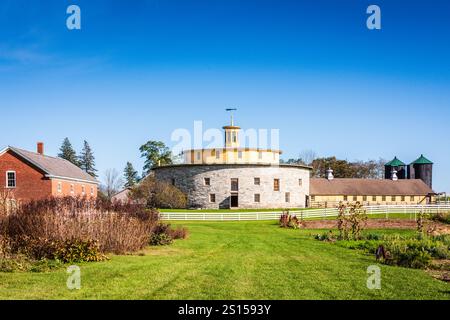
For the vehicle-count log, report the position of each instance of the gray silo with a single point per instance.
(396, 165)
(422, 169)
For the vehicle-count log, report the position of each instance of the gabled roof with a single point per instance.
(422, 160)
(395, 163)
(53, 167)
(369, 187)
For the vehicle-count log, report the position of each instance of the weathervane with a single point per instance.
(232, 114)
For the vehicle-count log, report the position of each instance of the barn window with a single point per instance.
(355, 198)
(403, 198)
(364, 198)
(276, 184)
(287, 197)
(345, 198)
(257, 197)
(234, 184)
(374, 198)
(213, 152)
(218, 154)
(199, 155)
(412, 198)
(393, 198)
(257, 181)
(207, 181)
(300, 182)
(383, 198)
(313, 198)
(212, 198)
(11, 179)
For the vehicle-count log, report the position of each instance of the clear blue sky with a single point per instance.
(140, 69)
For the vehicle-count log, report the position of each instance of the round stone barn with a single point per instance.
(235, 177)
(223, 186)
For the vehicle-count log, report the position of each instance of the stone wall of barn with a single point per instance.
(209, 186)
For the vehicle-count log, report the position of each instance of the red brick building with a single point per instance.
(32, 175)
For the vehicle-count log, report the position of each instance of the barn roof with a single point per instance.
(53, 167)
(369, 187)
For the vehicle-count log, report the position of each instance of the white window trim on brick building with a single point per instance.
(8, 179)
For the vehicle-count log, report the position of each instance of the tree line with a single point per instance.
(370, 169)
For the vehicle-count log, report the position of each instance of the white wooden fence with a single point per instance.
(383, 210)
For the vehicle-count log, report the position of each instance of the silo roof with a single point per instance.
(395, 163)
(422, 160)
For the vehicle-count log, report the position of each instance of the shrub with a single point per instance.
(160, 239)
(8, 203)
(14, 263)
(415, 252)
(158, 194)
(443, 217)
(78, 251)
(161, 235)
(421, 221)
(289, 221)
(369, 246)
(21, 263)
(407, 255)
(69, 250)
(114, 227)
(327, 236)
(39, 235)
(179, 233)
(351, 220)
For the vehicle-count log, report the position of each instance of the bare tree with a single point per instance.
(307, 156)
(380, 168)
(113, 182)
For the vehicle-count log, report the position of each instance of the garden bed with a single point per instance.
(377, 224)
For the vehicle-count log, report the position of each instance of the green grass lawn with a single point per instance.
(232, 260)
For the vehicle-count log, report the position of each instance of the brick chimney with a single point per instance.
(40, 148)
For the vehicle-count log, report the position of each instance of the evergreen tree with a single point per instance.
(68, 153)
(87, 160)
(131, 175)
